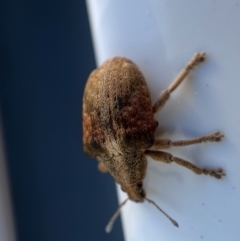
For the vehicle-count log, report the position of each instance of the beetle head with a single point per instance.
(135, 192)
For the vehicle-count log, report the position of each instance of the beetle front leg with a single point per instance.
(164, 96)
(101, 166)
(168, 158)
(166, 143)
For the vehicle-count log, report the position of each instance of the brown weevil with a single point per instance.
(119, 126)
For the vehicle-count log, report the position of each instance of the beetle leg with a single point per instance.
(168, 158)
(166, 143)
(101, 167)
(164, 96)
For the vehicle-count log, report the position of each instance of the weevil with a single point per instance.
(119, 126)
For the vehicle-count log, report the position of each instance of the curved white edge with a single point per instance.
(7, 229)
(160, 36)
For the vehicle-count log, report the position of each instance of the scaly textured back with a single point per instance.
(117, 112)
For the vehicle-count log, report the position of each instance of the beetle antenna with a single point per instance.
(109, 226)
(172, 220)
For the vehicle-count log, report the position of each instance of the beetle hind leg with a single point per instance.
(164, 96)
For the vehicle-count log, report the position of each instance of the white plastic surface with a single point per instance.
(161, 36)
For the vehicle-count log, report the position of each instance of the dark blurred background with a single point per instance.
(46, 56)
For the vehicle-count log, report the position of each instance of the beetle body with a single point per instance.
(118, 122)
(119, 127)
